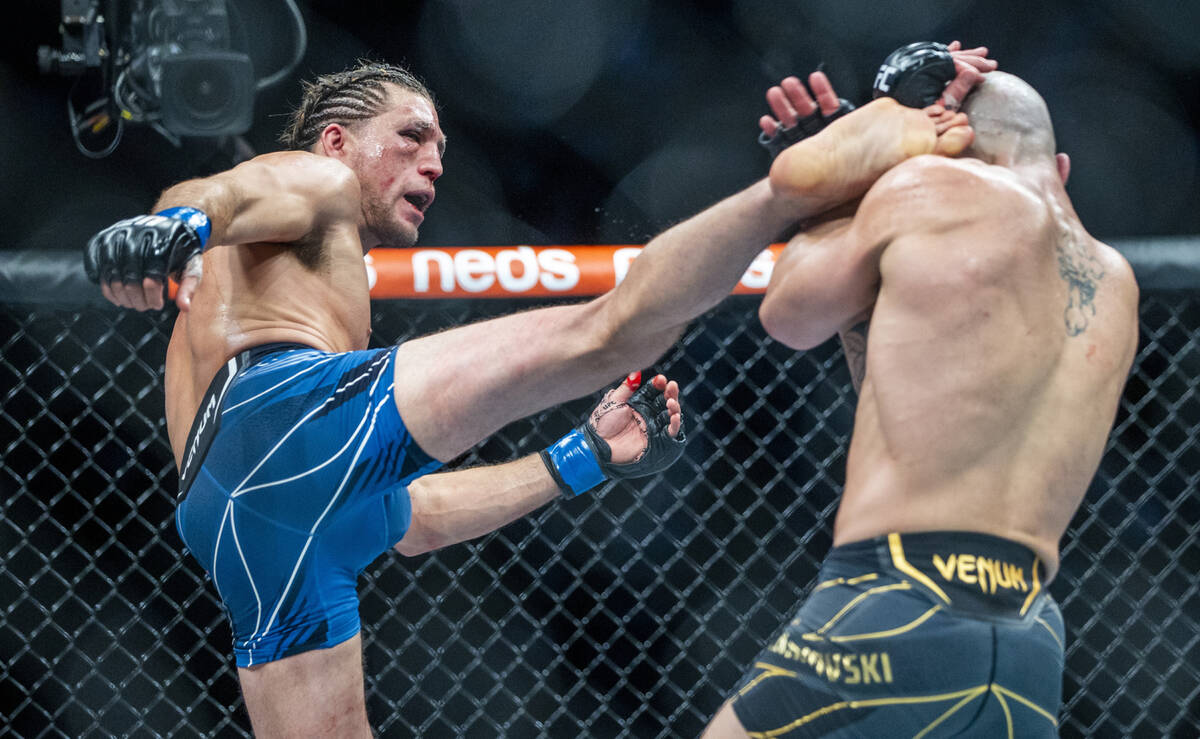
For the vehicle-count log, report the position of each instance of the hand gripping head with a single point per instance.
(915, 74)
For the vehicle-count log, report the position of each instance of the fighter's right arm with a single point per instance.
(282, 197)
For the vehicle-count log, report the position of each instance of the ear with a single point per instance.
(1064, 166)
(333, 141)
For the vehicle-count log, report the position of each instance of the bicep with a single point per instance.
(275, 198)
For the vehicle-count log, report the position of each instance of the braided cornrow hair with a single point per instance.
(343, 97)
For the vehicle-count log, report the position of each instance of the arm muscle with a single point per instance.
(280, 197)
(450, 507)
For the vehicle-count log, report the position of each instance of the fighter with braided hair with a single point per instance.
(353, 95)
(303, 454)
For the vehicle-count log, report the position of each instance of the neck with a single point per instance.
(368, 238)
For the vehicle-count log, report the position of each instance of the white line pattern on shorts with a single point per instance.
(217, 546)
(329, 506)
(326, 463)
(366, 373)
(278, 384)
(260, 631)
(245, 565)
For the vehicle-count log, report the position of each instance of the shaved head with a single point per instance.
(1010, 119)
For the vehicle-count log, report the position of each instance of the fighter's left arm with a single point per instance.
(631, 433)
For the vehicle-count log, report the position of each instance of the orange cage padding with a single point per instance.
(519, 271)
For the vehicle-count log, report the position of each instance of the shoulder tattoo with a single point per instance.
(1082, 272)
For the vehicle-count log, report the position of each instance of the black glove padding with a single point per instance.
(136, 248)
(661, 450)
(916, 74)
(809, 125)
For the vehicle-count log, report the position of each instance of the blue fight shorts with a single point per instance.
(293, 480)
(932, 635)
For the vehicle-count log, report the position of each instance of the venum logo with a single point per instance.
(209, 410)
(985, 572)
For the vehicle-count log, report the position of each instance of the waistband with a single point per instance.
(208, 416)
(967, 571)
(255, 354)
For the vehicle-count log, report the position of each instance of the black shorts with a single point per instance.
(931, 634)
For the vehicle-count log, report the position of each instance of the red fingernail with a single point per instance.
(633, 380)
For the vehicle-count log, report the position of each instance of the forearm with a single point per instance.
(211, 195)
(459, 505)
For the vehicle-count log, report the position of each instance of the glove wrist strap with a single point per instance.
(573, 464)
(193, 217)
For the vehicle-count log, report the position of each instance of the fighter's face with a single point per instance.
(397, 156)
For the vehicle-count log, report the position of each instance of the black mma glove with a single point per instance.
(146, 246)
(809, 125)
(581, 460)
(916, 74)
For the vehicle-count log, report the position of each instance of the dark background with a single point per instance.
(604, 121)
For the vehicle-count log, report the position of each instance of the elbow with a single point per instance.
(785, 323)
(419, 540)
(410, 547)
(420, 537)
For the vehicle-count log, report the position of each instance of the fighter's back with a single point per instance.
(998, 346)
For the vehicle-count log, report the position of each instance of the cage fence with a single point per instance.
(630, 613)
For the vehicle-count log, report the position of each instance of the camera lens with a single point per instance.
(206, 89)
(207, 93)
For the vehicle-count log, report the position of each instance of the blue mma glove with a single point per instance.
(582, 459)
(146, 246)
(916, 74)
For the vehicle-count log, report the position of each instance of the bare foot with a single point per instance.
(843, 161)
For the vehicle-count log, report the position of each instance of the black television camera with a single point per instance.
(168, 63)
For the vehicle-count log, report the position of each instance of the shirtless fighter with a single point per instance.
(303, 454)
(1000, 337)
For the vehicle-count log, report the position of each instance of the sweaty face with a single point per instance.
(397, 156)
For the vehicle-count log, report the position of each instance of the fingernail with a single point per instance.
(633, 379)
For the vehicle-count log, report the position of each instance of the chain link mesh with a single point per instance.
(632, 612)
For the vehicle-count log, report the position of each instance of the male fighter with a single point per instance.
(288, 432)
(1000, 336)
